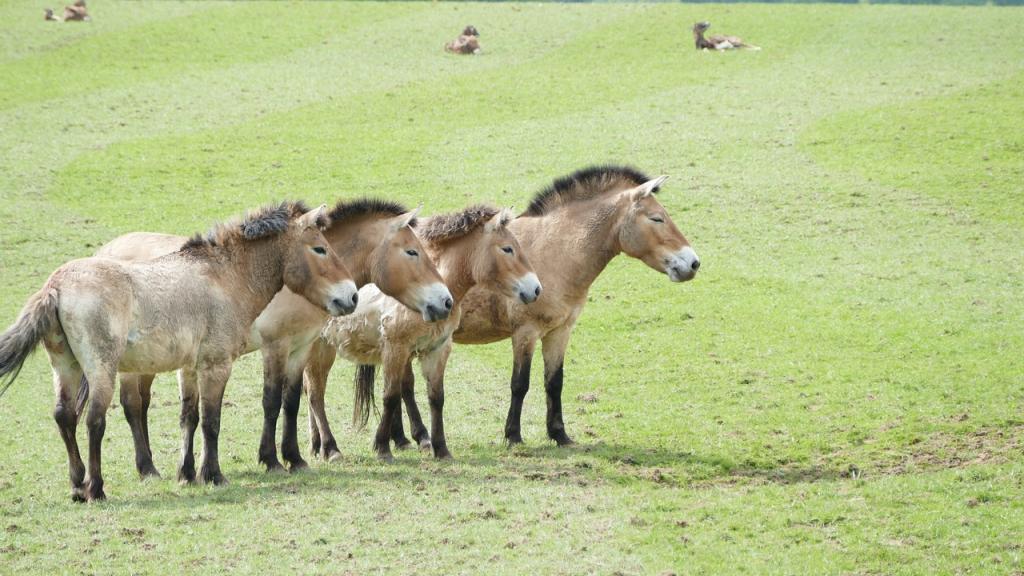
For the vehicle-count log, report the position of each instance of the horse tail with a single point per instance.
(363, 402)
(37, 319)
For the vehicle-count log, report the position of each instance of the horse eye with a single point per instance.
(506, 249)
(657, 219)
(412, 253)
(320, 250)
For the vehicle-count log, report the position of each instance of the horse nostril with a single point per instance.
(537, 292)
(695, 265)
(337, 303)
(448, 303)
(355, 299)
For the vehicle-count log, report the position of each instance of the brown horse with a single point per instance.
(471, 248)
(190, 310)
(467, 43)
(376, 241)
(717, 42)
(571, 230)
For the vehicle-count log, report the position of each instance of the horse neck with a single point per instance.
(256, 269)
(454, 261)
(579, 244)
(355, 242)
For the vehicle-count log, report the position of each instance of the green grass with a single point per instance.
(840, 391)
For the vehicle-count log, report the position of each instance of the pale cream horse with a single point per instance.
(471, 248)
(190, 310)
(571, 230)
(377, 244)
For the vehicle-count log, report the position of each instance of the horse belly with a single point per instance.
(160, 352)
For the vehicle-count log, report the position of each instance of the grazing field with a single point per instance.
(841, 389)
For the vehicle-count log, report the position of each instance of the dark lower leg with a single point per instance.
(146, 395)
(520, 386)
(556, 427)
(398, 430)
(97, 425)
(382, 440)
(440, 444)
(209, 472)
(132, 403)
(321, 438)
(416, 426)
(189, 422)
(67, 422)
(271, 408)
(289, 433)
(314, 433)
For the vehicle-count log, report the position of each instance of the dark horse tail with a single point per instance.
(363, 402)
(37, 319)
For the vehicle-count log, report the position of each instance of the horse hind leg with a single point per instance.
(321, 438)
(416, 426)
(67, 382)
(554, 345)
(189, 390)
(135, 397)
(101, 392)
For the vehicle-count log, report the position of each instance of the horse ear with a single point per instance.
(647, 188)
(500, 220)
(407, 219)
(317, 217)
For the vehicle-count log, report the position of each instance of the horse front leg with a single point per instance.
(292, 397)
(273, 387)
(188, 388)
(135, 396)
(554, 345)
(393, 363)
(212, 382)
(522, 356)
(321, 440)
(433, 365)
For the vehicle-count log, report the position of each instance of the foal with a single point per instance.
(717, 42)
(471, 248)
(190, 310)
(572, 230)
(377, 244)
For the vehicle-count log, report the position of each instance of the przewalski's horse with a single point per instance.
(571, 230)
(717, 42)
(190, 310)
(376, 241)
(471, 248)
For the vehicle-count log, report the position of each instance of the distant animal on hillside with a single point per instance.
(76, 12)
(467, 43)
(48, 15)
(717, 42)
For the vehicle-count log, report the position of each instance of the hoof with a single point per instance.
(333, 456)
(78, 494)
(215, 478)
(402, 443)
(186, 476)
(425, 445)
(298, 466)
(513, 439)
(442, 454)
(273, 466)
(561, 438)
(386, 457)
(148, 472)
(94, 492)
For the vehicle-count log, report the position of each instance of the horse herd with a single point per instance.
(366, 280)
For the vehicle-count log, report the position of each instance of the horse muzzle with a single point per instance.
(528, 288)
(437, 303)
(342, 299)
(682, 266)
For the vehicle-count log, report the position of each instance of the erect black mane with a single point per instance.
(267, 221)
(445, 227)
(346, 209)
(584, 184)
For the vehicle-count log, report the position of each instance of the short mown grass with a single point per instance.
(840, 390)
